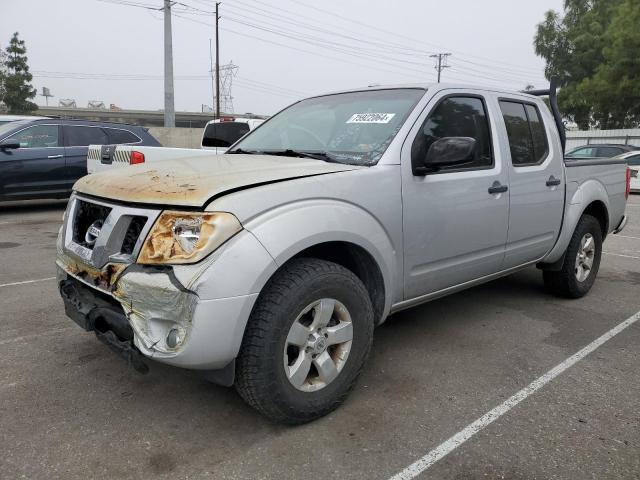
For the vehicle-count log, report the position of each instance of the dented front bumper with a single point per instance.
(153, 303)
(206, 305)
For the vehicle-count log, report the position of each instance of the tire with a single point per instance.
(567, 281)
(266, 358)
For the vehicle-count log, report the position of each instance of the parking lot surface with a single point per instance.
(71, 409)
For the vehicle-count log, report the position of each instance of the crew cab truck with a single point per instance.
(268, 267)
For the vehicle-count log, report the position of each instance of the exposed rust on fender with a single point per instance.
(161, 247)
(193, 181)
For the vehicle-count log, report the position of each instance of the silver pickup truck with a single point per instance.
(268, 267)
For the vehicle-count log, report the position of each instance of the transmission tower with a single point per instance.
(227, 72)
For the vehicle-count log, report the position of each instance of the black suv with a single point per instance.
(43, 158)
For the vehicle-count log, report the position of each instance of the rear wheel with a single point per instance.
(307, 340)
(581, 261)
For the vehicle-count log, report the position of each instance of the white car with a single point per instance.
(220, 134)
(13, 118)
(633, 162)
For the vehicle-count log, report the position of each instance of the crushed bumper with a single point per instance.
(96, 313)
(142, 307)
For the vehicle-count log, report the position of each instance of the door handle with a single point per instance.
(553, 181)
(497, 188)
(54, 156)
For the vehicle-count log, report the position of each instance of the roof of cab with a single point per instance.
(428, 86)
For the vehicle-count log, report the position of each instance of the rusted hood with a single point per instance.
(193, 181)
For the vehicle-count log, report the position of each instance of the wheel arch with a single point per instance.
(338, 232)
(589, 198)
(599, 210)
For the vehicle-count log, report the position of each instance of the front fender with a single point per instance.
(289, 229)
(579, 198)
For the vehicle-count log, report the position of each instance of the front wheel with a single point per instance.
(581, 261)
(307, 340)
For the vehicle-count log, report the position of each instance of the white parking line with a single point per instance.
(26, 281)
(625, 236)
(462, 436)
(621, 255)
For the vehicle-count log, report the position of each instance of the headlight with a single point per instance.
(187, 237)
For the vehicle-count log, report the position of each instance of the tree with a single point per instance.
(17, 87)
(3, 73)
(592, 50)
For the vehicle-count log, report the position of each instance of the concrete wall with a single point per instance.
(177, 137)
(577, 138)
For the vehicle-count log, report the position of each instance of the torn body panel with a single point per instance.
(155, 305)
(101, 278)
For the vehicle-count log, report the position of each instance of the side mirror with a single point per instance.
(9, 145)
(448, 151)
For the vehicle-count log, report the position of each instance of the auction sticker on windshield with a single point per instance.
(371, 118)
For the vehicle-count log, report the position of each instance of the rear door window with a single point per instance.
(538, 134)
(82, 136)
(527, 136)
(118, 136)
(37, 136)
(223, 134)
(609, 151)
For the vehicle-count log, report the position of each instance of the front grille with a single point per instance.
(86, 215)
(133, 234)
(100, 232)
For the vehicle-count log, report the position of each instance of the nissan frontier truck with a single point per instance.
(268, 267)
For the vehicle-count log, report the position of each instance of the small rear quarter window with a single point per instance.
(117, 136)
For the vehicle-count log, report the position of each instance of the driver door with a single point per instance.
(455, 219)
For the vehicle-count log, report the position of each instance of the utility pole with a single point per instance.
(169, 108)
(217, 65)
(213, 79)
(441, 63)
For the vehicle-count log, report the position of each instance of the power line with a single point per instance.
(358, 51)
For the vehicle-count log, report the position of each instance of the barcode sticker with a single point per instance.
(371, 118)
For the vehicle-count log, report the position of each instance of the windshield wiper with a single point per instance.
(324, 156)
(244, 152)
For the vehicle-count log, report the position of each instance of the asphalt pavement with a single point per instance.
(70, 409)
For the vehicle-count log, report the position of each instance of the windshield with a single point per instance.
(10, 126)
(354, 128)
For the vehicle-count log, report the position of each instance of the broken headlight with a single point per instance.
(187, 237)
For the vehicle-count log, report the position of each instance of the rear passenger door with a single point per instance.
(77, 139)
(536, 181)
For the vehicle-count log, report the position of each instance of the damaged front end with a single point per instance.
(138, 310)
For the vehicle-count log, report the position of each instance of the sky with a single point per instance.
(112, 51)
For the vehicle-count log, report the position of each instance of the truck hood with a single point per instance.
(193, 182)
